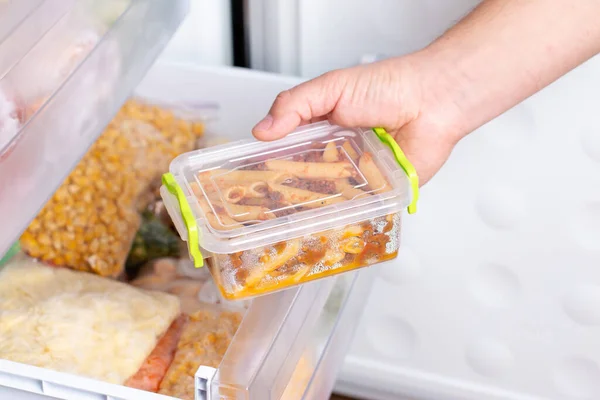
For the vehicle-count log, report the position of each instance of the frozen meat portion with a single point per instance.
(77, 322)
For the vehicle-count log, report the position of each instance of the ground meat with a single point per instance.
(319, 186)
(286, 211)
(261, 166)
(309, 156)
(348, 258)
(275, 197)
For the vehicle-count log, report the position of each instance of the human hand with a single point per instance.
(401, 95)
(493, 59)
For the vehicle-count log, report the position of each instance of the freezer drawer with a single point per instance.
(66, 66)
(290, 344)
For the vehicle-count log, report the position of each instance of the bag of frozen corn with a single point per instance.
(92, 219)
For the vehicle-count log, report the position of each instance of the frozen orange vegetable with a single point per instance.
(155, 366)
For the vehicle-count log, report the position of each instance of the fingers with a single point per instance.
(426, 152)
(308, 101)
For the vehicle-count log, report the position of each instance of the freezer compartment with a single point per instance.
(283, 338)
(65, 68)
(289, 345)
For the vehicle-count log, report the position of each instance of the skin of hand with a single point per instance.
(497, 56)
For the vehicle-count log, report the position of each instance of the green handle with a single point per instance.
(406, 165)
(188, 218)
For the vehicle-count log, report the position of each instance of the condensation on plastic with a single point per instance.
(74, 65)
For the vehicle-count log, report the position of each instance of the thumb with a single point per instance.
(309, 100)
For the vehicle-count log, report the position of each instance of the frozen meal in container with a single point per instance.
(270, 215)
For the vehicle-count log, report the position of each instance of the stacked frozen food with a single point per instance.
(104, 218)
(80, 323)
(203, 342)
(77, 322)
(153, 329)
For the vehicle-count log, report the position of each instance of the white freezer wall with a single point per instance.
(310, 37)
(496, 291)
(204, 37)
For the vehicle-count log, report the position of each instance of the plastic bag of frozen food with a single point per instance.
(153, 240)
(91, 221)
(204, 341)
(79, 319)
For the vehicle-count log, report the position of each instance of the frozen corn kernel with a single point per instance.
(90, 222)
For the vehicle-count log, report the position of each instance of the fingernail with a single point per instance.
(265, 124)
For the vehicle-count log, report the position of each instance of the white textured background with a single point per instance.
(496, 292)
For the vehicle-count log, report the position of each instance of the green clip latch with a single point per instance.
(188, 218)
(408, 168)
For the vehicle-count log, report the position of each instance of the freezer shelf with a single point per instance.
(289, 344)
(66, 66)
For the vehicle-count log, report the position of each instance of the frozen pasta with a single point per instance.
(297, 211)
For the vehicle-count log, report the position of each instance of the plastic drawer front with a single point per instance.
(290, 344)
(71, 109)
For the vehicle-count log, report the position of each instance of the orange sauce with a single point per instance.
(283, 284)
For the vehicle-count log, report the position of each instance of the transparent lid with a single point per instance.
(249, 194)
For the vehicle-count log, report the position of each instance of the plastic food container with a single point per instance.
(270, 215)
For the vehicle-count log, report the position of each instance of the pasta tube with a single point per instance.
(257, 189)
(375, 178)
(271, 263)
(352, 245)
(333, 256)
(343, 187)
(255, 201)
(221, 176)
(330, 154)
(352, 230)
(350, 151)
(234, 194)
(243, 213)
(223, 222)
(312, 170)
(306, 198)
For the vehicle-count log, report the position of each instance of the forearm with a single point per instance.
(505, 51)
